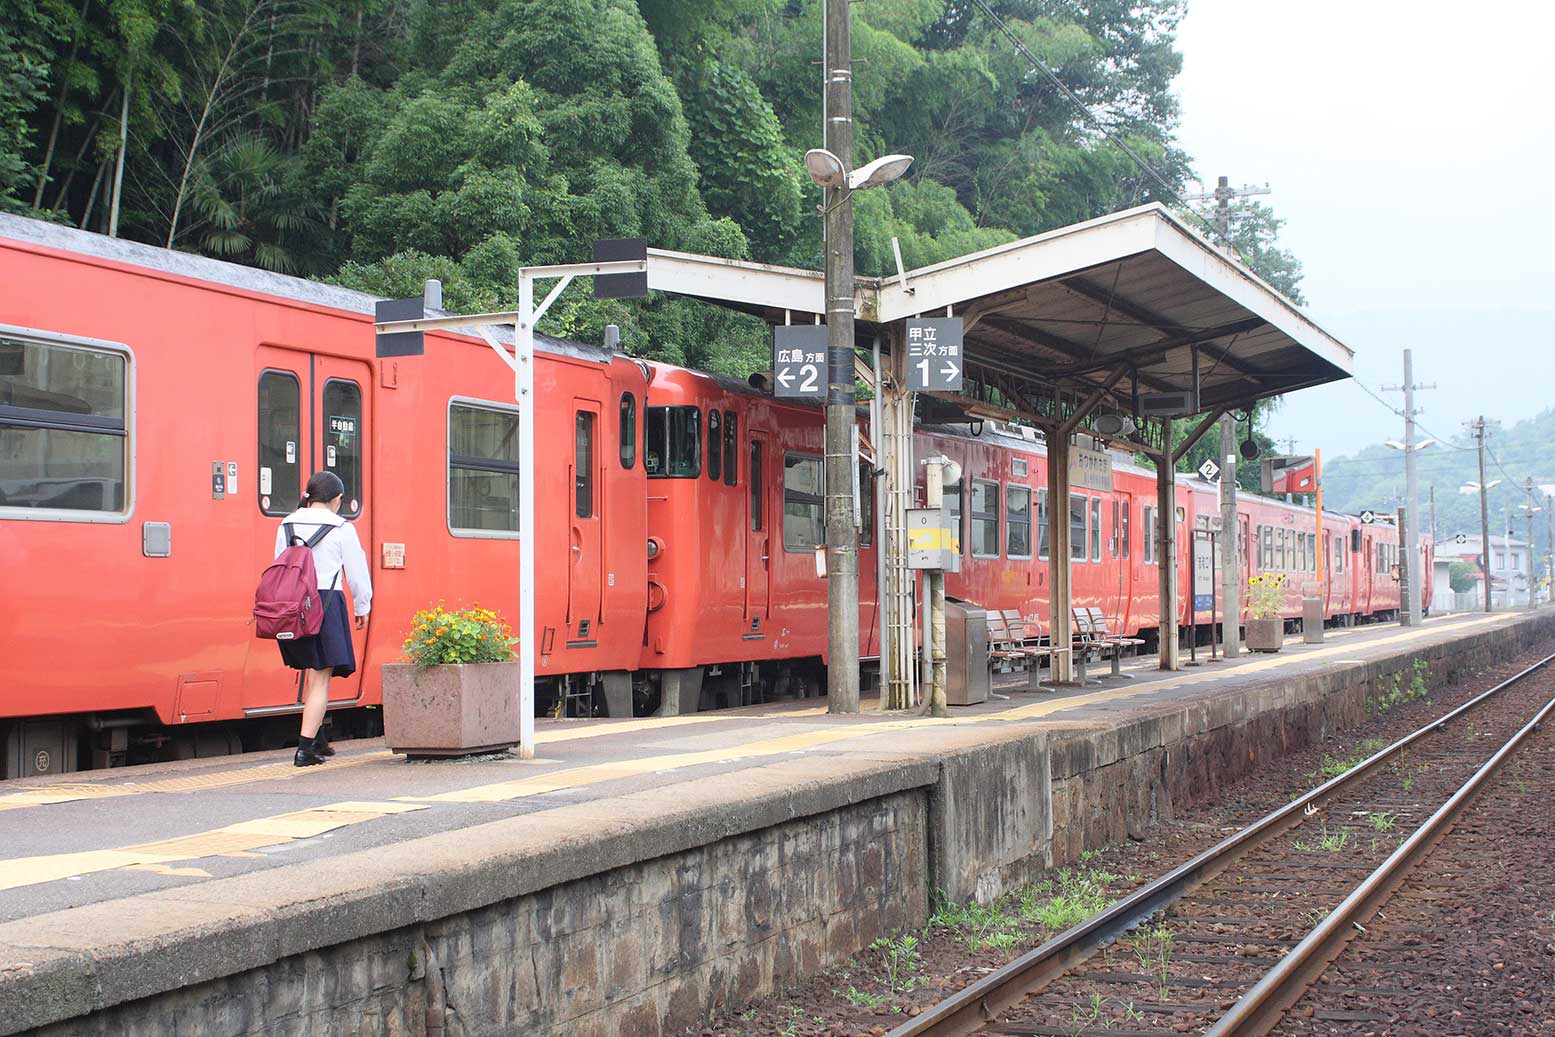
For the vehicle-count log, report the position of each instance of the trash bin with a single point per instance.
(966, 653)
(1312, 619)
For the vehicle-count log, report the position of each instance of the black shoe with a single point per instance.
(307, 753)
(321, 744)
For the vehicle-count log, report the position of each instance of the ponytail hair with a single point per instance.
(322, 487)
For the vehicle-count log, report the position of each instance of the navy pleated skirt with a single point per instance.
(331, 649)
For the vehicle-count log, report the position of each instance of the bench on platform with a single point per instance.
(1011, 638)
(1093, 632)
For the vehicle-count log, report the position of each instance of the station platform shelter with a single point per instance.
(636, 873)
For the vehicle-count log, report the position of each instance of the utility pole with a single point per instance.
(1433, 514)
(1221, 196)
(841, 537)
(1408, 536)
(1230, 573)
(1528, 489)
(1478, 428)
(1290, 450)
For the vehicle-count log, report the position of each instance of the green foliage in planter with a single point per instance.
(474, 635)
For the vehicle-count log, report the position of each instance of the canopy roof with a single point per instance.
(1120, 305)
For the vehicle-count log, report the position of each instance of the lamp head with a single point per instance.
(825, 168)
(879, 172)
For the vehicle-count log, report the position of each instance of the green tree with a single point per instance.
(27, 37)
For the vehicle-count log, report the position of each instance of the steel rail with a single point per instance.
(978, 1003)
(1263, 1006)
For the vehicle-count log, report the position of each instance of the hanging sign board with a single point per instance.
(620, 286)
(1209, 471)
(934, 354)
(1289, 475)
(932, 542)
(799, 361)
(400, 343)
(1089, 468)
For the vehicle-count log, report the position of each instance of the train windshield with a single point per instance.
(672, 442)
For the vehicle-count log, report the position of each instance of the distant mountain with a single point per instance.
(1374, 478)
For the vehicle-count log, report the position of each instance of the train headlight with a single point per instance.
(655, 548)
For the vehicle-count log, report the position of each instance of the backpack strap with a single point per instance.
(316, 538)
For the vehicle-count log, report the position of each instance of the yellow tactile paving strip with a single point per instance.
(45, 795)
(238, 838)
(242, 837)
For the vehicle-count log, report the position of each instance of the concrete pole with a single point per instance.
(934, 497)
(1061, 594)
(841, 537)
(1484, 512)
(1231, 561)
(1166, 550)
(1408, 534)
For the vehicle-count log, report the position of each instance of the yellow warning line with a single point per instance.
(237, 838)
(45, 795)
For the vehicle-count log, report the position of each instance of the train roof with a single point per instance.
(234, 275)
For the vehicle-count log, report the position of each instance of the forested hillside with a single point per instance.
(1374, 478)
(381, 142)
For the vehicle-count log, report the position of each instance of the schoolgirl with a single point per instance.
(330, 654)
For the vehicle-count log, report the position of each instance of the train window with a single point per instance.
(1112, 537)
(804, 488)
(63, 433)
(628, 430)
(1017, 521)
(280, 433)
(1311, 552)
(482, 469)
(583, 463)
(1299, 555)
(1339, 553)
(731, 449)
(1077, 527)
(953, 512)
(672, 442)
(866, 501)
(758, 491)
(1042, 533)
(1123, 534)
(1095, 529)
(343, 440)
(714, 446)
(1266, 545)
(985, 519)
(1149, 520)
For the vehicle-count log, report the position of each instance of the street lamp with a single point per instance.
(1418, 446)
(828, 170)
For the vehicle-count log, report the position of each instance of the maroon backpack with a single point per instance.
(287, 604)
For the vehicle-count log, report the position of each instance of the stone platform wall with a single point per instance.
(640, 915)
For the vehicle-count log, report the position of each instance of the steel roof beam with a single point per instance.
(1068, 347)
(1174, 334)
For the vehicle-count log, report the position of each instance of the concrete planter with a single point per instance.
(450, 710)
(1264, 635)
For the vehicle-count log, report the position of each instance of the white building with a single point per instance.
(1510, 566)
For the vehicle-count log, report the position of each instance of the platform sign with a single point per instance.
(1209, 471)
(620, 286)
(1289, 474)
(1204, 571)
(1461, 538)
(400, 343)
(1368, 517)
(934, 354)
(799, 361)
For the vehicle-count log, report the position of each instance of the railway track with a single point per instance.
(1226, 943)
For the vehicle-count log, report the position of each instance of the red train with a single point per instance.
(160, 411)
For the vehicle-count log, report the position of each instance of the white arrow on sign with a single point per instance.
(950, 371)
(784, 379)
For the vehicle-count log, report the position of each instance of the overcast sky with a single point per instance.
(1410, 149)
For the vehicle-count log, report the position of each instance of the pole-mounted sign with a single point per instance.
(621, 286)
(400, 343)
(799, 361)
(1209, 471)
(1368, 517)
(934, 357)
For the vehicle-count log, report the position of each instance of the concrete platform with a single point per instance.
(639, 870)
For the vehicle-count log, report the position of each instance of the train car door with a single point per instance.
(758, 536)
(313, 414)
(1118, 547)
(1368, 569)
(584, 506)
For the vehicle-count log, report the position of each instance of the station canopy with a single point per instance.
(1115, 313)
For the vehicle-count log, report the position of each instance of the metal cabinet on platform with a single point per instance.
(966, 653)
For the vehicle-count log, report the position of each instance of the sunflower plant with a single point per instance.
(1266, 595)
(440, 636)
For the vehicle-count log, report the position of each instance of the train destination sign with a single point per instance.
(799, 361)
(934, 354)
